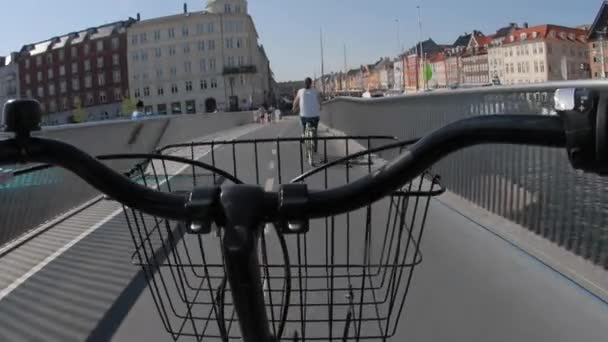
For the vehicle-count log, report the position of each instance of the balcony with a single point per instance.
(243, 69)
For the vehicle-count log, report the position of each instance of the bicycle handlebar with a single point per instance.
(575, 128)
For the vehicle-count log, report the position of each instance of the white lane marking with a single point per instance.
(15, 284)
(7, 290)
(268, 187)
(271, 165)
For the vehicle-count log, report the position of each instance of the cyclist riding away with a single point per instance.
(308, 102)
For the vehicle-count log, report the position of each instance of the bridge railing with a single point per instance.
(531, 186)
(29, 199)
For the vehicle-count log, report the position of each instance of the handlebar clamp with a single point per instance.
(293, 197)
(204, 209)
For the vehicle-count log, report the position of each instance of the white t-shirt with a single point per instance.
(309, 103)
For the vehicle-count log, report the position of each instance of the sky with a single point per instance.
(290, 30)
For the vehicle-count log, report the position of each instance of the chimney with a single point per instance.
(526, 25)
(138, 17)
(185, 8)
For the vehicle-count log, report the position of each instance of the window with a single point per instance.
(77, 102)
(210, 27)
(171, 33)
(143, 37)
(115, 43)
(535, 66)
(229, 43)
(211, 45)
(527, 67)
(188, 67)
(158, 52)
(212, 64)
(144, 55)
(188, 86)
(534, 49)
(239, 43)
(115, 60)
(200, 28)
(242, 78)
(88, 81)
(541, 66)
(87, 49)
(519, 67)
(64, 103)
(50, 74)
(549, 49)
(28, 92)
(594, 61)
(99, 62)
(116, 76)
(74, 68)
(185, 31)
(146, 91)
(159, 73)
(227, 8)
(75, 84)
(160, 91)
(99, 45)
(90, 98)
(231, 62)
(49, 58)
(237, 8)
(73, 51)
(117, 94)
(241, 60)
(87, 65)
(62, 70)
(201, 45)
(540, 48)
(40, 91)
(162, 109)
(511, 52)
(145, 75)
(27, 79)
(213, 83)
(174, 89)
(186, 48)
(38, 60)
(156, 35)
(134, 39)
(203, 84)
(27, 63)
(176, 108)
(51, 89)
(172, 50)
(61, 55)
(102, 97)
(523, 36)
(137, 93)
(101, 79)
(52, 106)
(173, 71)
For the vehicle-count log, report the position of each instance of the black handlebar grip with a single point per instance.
(22, 116)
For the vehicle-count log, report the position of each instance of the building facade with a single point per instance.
(453, 62)
(475, 60)
(545, 53)
(439, 78)
(81, 76)
(496, 68)
(9, 79)
(197, 62)
(398, 74)
(598, 45)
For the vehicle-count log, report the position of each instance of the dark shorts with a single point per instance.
(313, 121)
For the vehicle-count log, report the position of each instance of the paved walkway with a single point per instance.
(75, 282)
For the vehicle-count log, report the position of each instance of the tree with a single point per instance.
(78, 114)
(128, 106)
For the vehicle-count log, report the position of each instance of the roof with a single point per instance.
(462, 40)
(428, 47)
(484, 40)
(600, 22)
(505, 31)
(547, 32)
(75, 37)
(438, 57)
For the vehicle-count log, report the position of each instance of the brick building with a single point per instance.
(598, 51)
(413, 61)
(79, 76)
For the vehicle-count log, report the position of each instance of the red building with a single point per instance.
(412, 61)
(78, 76)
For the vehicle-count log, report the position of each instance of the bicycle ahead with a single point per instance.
(310, 142)
(232, 282)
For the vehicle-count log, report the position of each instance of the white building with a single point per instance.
(398, 73)
(9, 79)
(198, 62)
(496, 60)
(545, 53)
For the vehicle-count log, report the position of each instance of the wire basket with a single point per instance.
(346, 279)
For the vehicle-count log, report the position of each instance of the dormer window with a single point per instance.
(523, 36)
(512, 38)
(552, 34)
(562, 35)
(571, 36)
(534, 34)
